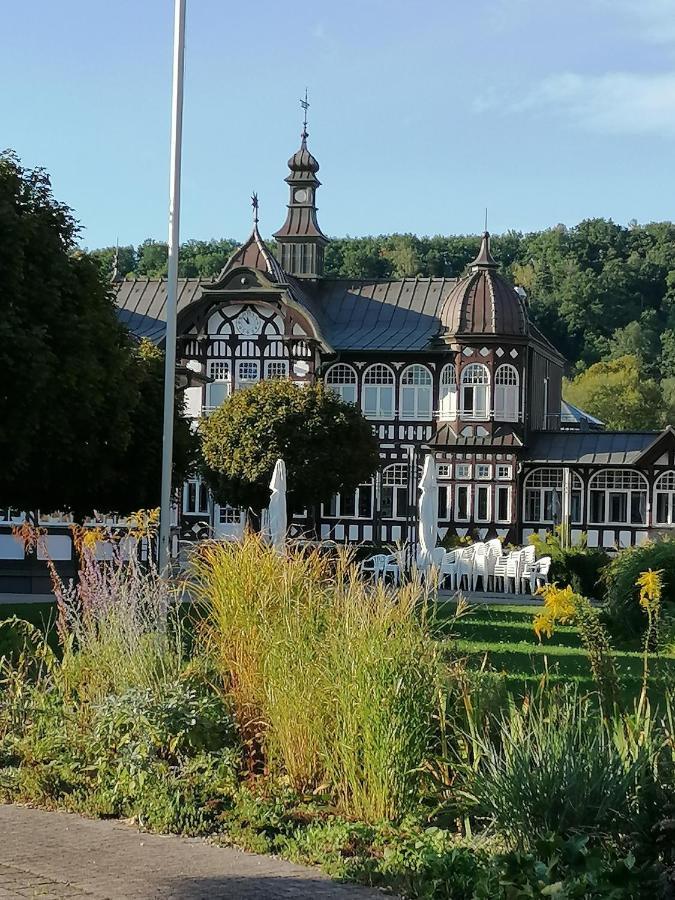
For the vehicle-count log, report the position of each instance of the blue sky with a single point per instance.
(421, 115)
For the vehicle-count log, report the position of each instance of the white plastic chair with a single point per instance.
(374, 565)
(481, 564)
(539, 573)
(514, 568)
(499, 572)
(465, 566)
(449, 568)
(494, 548)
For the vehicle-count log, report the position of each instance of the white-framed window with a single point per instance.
(357, 505)
(502, 503)
(475, 392)
(483, 471)
(504, 472)
(444, 501)
(229, 515)
(195, 497)
(342, 380)
(664, 499)
(507, 393)
(248, 373)
(394, 498)
(444, 470)
(482, 510)
(462, 470)
(276, 368)
(462, 503)
(378, 392)
(416, 388)
(544, 496)
(447, 396)
(221, 386)
(617, 497)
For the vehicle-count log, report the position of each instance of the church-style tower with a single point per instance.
(301, 241)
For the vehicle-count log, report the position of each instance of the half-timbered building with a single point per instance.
(452, 367)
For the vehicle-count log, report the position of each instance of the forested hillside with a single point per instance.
(601, 292)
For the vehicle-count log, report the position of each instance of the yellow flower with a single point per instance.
(559, 606)
(651, 588)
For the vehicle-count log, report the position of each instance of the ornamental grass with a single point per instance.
(334, 682)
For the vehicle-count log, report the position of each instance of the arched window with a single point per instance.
(415, 393)
(341, 379)
(507, 391)
(617, 497)
(448, 393)
(664, 499)
(378, 392)
(475, 392)
(543, 503)
(394, 499)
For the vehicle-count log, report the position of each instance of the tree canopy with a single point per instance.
(78, 396)
(327, 445)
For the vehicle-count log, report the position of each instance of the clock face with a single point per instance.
(248, 322)
(301, 196)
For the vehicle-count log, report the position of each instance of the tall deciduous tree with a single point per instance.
(73, 418)
(619, 394)
(327, 445)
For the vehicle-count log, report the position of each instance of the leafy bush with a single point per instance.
(580, 566)
(622, 591)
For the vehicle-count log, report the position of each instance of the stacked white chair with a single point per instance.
(449, 569)
(514, 568)
(539, 573)
(481, 566)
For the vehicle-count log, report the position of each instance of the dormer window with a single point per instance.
(475, 392)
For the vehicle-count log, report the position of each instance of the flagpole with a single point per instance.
(172, 281)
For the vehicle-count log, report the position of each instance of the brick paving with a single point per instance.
(50, 855)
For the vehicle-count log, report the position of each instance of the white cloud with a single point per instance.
(614, 103)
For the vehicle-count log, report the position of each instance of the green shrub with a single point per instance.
(580, 566)
(557, 769)
(622, 592)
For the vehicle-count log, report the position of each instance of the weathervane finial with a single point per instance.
(305, 105)
(255, 205)
(486, 219)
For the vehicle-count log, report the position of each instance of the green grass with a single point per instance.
(502, 638)
(42, 615)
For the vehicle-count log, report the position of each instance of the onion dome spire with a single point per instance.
(300, 239)
(485, 259)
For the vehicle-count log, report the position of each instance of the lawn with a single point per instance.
(502, 639)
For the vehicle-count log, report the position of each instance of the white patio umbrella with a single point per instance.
(277, 520)
(427, 512)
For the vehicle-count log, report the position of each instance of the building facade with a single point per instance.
(451, 367)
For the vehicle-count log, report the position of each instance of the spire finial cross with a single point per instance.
(305, 105)
(255, 205)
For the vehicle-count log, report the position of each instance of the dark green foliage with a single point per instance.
(327, 445)
(80, 402)
(625, 615)
(580, 566)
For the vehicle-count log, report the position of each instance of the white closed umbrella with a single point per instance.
(427, 524)
(277, 519)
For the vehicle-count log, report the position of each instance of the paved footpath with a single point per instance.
(57, 855)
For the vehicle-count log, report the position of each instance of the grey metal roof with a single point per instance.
(142, 304)
(380, 315)
(501, 437)
(366, 314)
(572, 415)
(611, 448)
